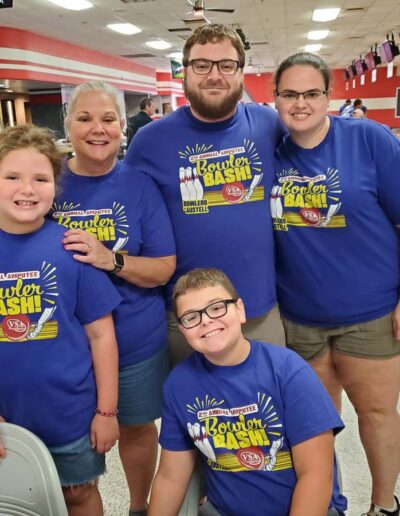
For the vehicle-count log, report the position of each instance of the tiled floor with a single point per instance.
(356, 479)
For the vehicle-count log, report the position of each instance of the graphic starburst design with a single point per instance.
(193, 151)
(65, 206)
(120, 218)
(203, 404)
(47, 273)
(253, 155)
(270, 416)
(333, 183)
(289, 172)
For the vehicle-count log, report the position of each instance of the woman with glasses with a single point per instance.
(335, 208)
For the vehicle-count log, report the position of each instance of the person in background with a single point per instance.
(214, 165)
(358, 104)
(58, 353)
(257, 413)
(144, 117)
(116, 220)
(167, 108)
(337, 214)
(358, 113)
(346, 109)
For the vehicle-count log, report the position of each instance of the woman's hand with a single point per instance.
(91, 250)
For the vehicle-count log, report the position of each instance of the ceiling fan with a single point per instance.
(199, 8)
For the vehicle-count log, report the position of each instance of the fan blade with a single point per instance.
(216, 10)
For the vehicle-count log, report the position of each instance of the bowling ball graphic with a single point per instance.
(251, 458)
(15, 327)
(233, 192)
(311, 216)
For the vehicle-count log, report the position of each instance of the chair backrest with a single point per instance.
(29, 483)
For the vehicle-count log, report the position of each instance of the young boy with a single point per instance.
(257, 413)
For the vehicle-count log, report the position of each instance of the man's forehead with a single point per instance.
(224, 49)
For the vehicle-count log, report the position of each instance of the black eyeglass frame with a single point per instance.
(226, 302)
(218, 63)
(298, 93)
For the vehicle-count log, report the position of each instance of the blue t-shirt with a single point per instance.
(245, 419)
(46, 375)
(334, 210)
(126, 212)
(215, 179)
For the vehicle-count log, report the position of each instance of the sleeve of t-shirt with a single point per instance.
(97, 295)
(158, 237)
(309, 410)
(173, 435)
(385, 150)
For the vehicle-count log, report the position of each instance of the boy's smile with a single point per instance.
(219, 339)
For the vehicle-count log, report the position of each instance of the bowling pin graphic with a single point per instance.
(197, 185)
(272, 201)
(190, 185)
(278, 203)
(183, 187)
(198, 438)
(207, 445)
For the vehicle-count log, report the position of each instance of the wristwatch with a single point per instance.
(119, 263)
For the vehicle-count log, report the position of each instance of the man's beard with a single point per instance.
(209, 110)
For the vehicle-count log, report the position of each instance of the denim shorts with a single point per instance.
(77, 463)
(140, 389)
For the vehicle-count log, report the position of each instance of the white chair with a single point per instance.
(29, 483)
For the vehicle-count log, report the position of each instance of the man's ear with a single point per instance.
(241, 310)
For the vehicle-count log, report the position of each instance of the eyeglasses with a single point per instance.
(293, 96)
(213, 311)
(204, 66)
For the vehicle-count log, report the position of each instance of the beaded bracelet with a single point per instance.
(106, 414)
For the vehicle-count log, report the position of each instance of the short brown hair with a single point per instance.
(198, 279)
(214, 33)
(38, 138)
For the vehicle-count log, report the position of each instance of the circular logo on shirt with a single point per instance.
(251, 458)
(233, 192)
(311, 216)
(16, 327)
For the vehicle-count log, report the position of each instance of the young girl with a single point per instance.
(57, 345)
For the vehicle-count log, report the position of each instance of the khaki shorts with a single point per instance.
(372, 339)
(267, 328)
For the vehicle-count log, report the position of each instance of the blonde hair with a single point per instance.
(102, 86)
(38, 138)
(200, 278)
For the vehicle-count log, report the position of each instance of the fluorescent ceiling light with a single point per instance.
(313, 48)
(73, 5)
(324, 15)
(158, 44)
(124, 28)
(317, 34)
(176, 55)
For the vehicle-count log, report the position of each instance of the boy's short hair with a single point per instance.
(201, 278)
(214, 33)
(31, 136)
